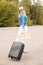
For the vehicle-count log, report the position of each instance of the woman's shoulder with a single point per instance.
(23, 15)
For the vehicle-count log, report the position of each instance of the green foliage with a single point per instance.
(8, 13)
(40, 15)
(30, 22)
(34, 12)
(26, 4)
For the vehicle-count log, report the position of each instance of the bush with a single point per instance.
(8, 14)
(30, 22)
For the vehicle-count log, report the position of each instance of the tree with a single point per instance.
(26, 4)
(36, 13)
(8, 13)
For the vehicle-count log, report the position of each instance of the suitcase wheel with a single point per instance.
(17, 59)
(11, 57)
(8, 55)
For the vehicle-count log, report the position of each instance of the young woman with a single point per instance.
(23, 21)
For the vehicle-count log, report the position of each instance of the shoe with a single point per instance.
(25, 51)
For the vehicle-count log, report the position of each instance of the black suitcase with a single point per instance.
(16, 50)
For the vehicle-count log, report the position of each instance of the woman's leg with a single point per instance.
(26, 29)
(26, 40)
(19, 33)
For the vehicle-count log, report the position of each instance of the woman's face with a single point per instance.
(21, 11)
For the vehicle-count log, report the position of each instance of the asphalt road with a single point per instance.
(34, 40)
